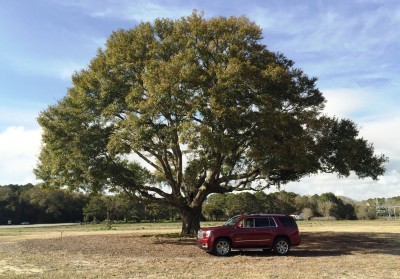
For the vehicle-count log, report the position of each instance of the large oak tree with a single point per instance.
(175, 110)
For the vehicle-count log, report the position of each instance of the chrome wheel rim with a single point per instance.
(282, 247)
(223, 248)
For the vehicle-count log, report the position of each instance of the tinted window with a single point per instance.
(265, 222)
(288, 221)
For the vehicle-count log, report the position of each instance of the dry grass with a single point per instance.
(358, 249)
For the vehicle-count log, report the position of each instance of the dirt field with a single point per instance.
(329, 250)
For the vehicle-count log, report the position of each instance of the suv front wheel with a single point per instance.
(222, 247)
(281, 246)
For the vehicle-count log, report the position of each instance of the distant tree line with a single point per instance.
(33, 204)
(29, 203)
(324, 206)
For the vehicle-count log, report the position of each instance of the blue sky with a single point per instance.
(353, 47)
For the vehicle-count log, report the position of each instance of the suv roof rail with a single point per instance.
(265, 214)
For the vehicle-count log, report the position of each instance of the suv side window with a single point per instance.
(247, 223)
(288, 221)
(265, 222)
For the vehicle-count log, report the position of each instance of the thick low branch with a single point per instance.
(239, 176)
(167, 199)
(201, 195)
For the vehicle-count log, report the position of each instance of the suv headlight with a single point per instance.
(202, 234)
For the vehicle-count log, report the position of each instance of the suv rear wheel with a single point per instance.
(222, 247)
(281, 246)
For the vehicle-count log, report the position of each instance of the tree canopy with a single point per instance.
(177, 109)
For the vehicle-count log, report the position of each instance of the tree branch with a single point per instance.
(239, 176)
(148, 161)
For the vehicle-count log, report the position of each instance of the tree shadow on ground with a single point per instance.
(171, 238)
(350, 243)
(314, 244)
(178, 241)
(331, 244)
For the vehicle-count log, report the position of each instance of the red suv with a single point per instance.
(263, 231)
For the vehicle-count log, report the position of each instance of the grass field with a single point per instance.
(338, 249)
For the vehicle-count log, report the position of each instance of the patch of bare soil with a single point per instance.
(117, 245)
(321, 255)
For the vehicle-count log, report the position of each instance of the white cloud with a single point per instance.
(352, 186)
(18, 152)
(385, 133)
(344, 102)
(380, 125)
(377, 119)
(362, 104)
(382, 130)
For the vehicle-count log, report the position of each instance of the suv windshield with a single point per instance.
(231, 221)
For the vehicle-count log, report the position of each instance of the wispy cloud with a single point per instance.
(43, 66)
(327, 28)
(140, 11)
(343, 44)
(137, 11)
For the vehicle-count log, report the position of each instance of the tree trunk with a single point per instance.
(190, 220)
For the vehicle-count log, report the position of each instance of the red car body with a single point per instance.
(263, 231)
